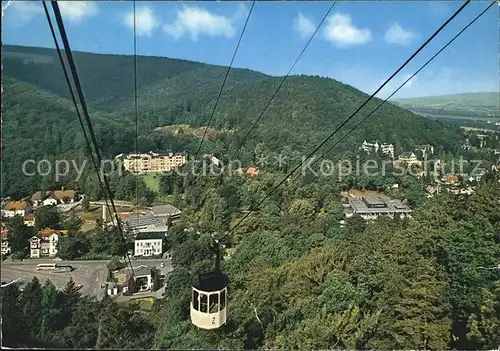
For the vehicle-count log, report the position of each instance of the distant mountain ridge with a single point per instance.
(173, 92)
(468, 104)
(105, 78)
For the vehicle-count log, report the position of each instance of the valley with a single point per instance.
(402, 213)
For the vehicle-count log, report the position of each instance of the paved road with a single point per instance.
(35, 261)
(91, 277)
(92, 274)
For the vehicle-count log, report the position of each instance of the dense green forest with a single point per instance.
(300, 277)
(39, 121)
(298, 280)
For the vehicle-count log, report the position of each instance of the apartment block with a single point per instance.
(151, 162)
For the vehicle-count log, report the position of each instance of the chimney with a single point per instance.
(104, 212)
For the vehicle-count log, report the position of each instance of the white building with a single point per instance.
(44, 244)
(408, 157)
(387, 149)
(29, 220)
(16, 208)
(53, 197)
(5, 242)
(148, 247)
(112, 289)
(49, 201)
(152, 161)
(371, 207)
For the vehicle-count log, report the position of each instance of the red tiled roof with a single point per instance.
(4, 233)
(16, 205)
(29, 217)
(56, 194)
(47, 232)
(60, 194)
(38, 195)
(252, 171)
(451, 179)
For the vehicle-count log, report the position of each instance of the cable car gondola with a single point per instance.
(209, 308)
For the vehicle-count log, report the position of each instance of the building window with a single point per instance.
(222, 300)
(195, 300)
(214, 303)
(203, 303)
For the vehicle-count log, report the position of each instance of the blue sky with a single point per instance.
(360, 43)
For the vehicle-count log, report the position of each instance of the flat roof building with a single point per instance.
(371, 207)
(165, 210)
(140, 224)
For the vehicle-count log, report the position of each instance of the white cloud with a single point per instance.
(409, 84)
(241, 12)
(145, 21)
(22, 12)
(76, 11)
(395, 34)
(304, 26)
(195, 21)
(341, 32)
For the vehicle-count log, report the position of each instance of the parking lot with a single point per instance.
(91, 276)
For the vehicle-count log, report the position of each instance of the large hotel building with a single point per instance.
(152, 162)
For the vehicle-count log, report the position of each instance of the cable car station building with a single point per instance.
(371, 207)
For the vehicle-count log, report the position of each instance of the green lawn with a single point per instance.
(152, 181)
(154, 184)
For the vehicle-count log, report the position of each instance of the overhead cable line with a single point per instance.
(351, 116)
(79, 90)
(225, 78)
(406, 81)
(283, 80)
(136, 116)
(75, 104)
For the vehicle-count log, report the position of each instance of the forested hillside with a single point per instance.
(38, 115)
(298, 280)
(302, 275)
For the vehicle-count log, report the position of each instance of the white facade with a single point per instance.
(49, 201)
(29, 221)
(13, 213)
(215, 161)
(5, 247)
(387, 149)
(408, 157)
(148, 247)
(44, 246)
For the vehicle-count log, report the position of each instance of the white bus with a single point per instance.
(46, 267)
